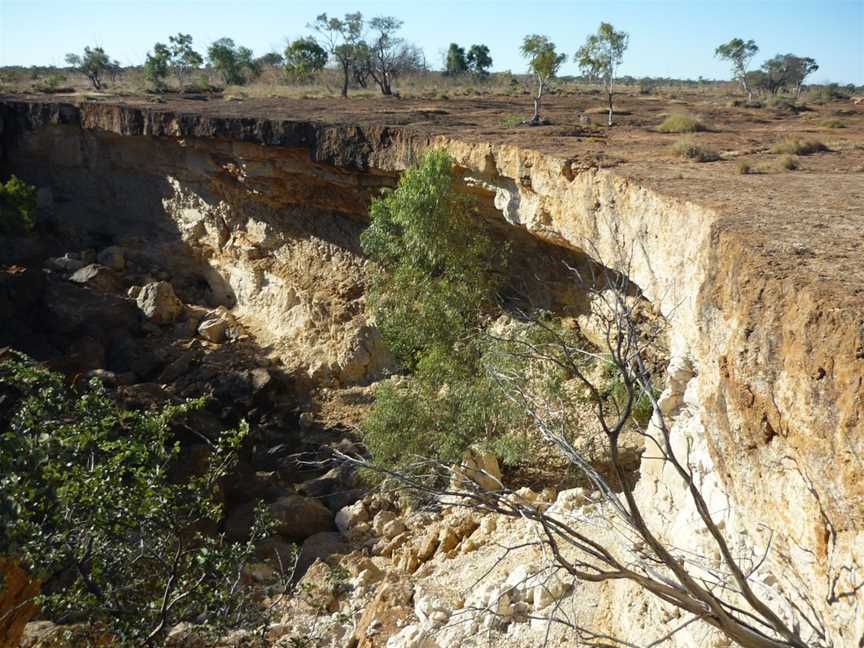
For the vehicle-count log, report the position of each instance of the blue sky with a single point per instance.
(667, 37)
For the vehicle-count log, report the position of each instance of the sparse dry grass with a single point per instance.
(832, 123)
(789, 163)
(745, 167)
(799, 147)
(682, 123)
(687, 148)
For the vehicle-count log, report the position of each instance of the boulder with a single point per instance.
(66, 263)
(213, 330)
(320, 546)
(479, 469)
(97, 277)
(299, 517)
(112, 257)
(159, 303)
(350, 516)
(215, 324)
(381, 519)
(71, 310)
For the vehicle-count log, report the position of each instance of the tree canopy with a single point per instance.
(93, 64)
(543, 62)
(234, 63)
(304, 57)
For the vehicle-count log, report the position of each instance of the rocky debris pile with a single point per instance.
(408, 577)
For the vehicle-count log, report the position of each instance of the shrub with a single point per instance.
(827, 93)
(744, 103)
(689, 149)
(789, 163)
(799, 147)
(832, 123)
(681, 123)
(91, 506)
(437, 274)
(745, 167)
(17, 206)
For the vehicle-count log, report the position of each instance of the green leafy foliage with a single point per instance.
(184, 59)
(234, 63)
(437, 277)
(93, 64)
(456, 63)
(17, 205)
(304, 58)
(601, 54)
(437, 269)
(738, 53)
(92, 505)
(479, 61)
(543, 60)
(156, 65)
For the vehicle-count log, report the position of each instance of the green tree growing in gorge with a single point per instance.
(601, 54)
(94, 64)
(17, 206)
(739, 53)
(436, 279)
(544, 63)
(93, 506)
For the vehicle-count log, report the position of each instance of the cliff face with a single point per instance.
(767, 388)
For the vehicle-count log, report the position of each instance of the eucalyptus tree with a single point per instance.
(93, 64)
(184, 59)
(304, 57)
(456, 62)
(478, 60)
(343, 39)
(389, 55)
(544, 62)
(601, 54)
(739, 53)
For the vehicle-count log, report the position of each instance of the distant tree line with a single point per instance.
(784, 71)
(372, 52)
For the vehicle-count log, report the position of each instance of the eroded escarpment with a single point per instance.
(765, 389)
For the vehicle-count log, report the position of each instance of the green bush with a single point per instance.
(799, 147)
(832, 123)
(91, 506)
(17, 205)
(437, 276)
(681, 123)
(687, 148)
(437, 270)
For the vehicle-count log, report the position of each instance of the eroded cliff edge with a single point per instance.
(764, 299)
